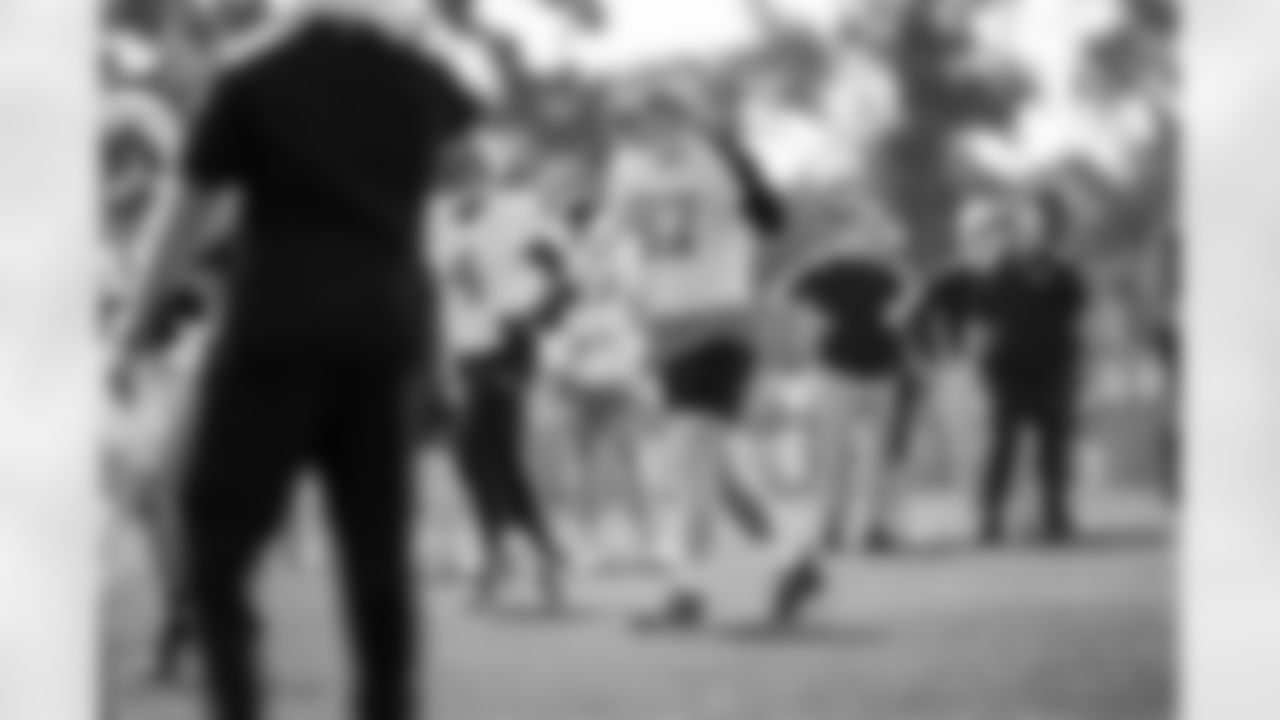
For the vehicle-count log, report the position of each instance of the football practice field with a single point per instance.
(943, 632)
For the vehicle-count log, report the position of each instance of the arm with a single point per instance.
(204, 204)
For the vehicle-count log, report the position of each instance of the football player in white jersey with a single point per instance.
(705, 216)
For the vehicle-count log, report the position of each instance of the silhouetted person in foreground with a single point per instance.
(329, 136)
(1033, 363)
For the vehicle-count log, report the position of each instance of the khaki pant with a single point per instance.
(957, 415)
(852, 452)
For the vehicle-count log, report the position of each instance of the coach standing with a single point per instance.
(328, 138)
(1033, 364)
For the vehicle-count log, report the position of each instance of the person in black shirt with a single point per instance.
(329, 137)
(1033, 363)
(858, 295)
(491, 431)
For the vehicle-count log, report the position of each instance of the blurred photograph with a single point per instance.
(622, 360)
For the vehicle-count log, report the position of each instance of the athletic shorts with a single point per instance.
(711, 378)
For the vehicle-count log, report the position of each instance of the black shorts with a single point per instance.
(710, 378)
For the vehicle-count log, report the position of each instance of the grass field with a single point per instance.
(944, 632)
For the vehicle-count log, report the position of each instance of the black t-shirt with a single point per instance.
(1035, 308)
(951, 307)
(333, 137)
(855, 298)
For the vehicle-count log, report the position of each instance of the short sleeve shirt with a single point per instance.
(854, 298)
(332, 136)
(1035, 312)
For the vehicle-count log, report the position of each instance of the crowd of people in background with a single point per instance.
(635, 307)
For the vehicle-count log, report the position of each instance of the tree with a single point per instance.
(940, 103)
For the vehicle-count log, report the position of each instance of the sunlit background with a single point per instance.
(860, 111)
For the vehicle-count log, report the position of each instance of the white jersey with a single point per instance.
(681, 205)
(482, 261)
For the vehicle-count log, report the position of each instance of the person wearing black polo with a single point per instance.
(329, 137)
(857, 295)
(1033, 364)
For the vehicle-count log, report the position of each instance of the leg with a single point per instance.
(1001, 453)
(836, 457)
(880, 449)
(908, 398)
(735, 465)
(1055, 427)
(366, 449)
(252, 437)
(689, 458)
(177, 629)
(476, 463)
(948, 427)
(492, 532)
(509, 475)
(599, 463)
(632, 499)
(793, 560)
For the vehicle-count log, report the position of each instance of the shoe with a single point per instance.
(1057, 534)
(683, 610)
(796, 591)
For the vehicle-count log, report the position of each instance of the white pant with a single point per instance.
(692, 467)
(852, 452)
(956, 413)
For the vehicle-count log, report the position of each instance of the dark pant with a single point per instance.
(1047, 415)
(352, 415)
(490, 452)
